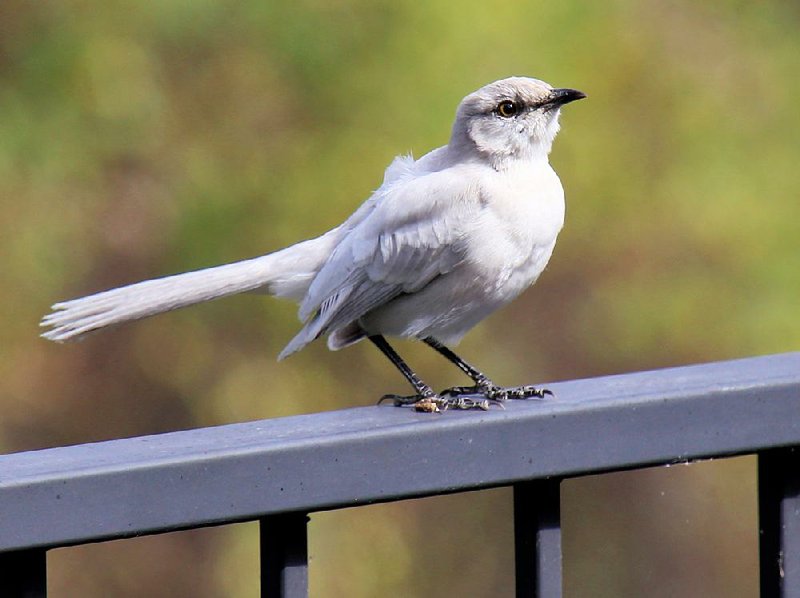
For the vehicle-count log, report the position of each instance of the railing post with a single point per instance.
(779, 521)
(537, 538)
(23, 573)
(284, 556)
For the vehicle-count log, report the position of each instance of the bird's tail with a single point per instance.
(285, 273)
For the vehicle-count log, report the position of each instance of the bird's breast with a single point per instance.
(515, 231)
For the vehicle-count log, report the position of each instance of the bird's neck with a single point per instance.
(462, 146)
(461, 150)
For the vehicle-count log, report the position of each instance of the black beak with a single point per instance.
(559, 97)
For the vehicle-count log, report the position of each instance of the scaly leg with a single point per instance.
(424, 399)
(483, 385)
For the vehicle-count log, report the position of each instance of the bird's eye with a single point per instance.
(507, 108)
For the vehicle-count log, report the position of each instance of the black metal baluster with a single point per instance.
(284, 556)
(779, 521)
(23, 573)
(537, 538)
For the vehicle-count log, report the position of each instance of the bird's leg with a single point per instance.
(423, 390)
(425, 399)
(483, 385)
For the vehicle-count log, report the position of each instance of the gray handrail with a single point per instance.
(238, 472)
(276, 471)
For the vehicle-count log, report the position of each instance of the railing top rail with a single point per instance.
(120, 488)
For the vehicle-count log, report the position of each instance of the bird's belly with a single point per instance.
(449, 306)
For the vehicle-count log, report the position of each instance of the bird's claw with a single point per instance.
(438, 403)
(464, 398)
(520, 392)
(498, 393)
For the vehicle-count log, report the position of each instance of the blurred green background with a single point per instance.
(142, 139)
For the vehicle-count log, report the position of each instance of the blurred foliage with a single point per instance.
(141, 139)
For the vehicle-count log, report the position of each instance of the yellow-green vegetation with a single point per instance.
(145, 138)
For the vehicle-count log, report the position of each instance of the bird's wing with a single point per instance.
(412, 235)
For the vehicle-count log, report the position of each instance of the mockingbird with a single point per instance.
(445, 240)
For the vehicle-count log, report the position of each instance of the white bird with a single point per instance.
(445, 241)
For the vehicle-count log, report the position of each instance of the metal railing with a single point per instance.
(277, 471)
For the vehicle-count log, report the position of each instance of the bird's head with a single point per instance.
(511, 118)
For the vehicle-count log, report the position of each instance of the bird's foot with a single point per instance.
(497, 393)
(438, 403)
